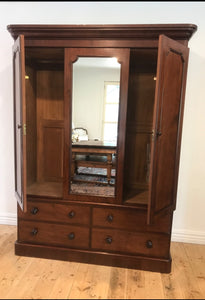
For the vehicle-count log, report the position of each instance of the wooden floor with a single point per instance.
(32, 278)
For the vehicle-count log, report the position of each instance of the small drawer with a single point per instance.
(55, 212)
(53, 234)
(129, 219)
(154, 245)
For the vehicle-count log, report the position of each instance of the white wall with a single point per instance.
(189, 220)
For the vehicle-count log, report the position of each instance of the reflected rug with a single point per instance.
(93, 181)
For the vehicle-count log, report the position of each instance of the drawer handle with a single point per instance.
(71, 236)
(110, 218)
(71, 214)
(34, 210)
(34, 231)
(108, 240)
(149, 244)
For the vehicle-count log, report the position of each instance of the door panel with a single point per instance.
(167, 124)
(95, 57)
(20, 121)
(53, 145)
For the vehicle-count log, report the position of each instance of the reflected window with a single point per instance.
(111, 108)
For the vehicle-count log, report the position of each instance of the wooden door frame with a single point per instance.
(71, 55)
(19, 48)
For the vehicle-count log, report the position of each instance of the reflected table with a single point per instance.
(89, 148)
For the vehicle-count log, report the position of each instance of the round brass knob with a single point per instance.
(108, 240)
(34, 210)
(110, 218)
(71, 214)
(71, 236)
(149, 244)
(34, 231)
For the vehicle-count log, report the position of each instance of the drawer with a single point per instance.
(53, 234)
(129, 219)
(55, 212)
(138, 243)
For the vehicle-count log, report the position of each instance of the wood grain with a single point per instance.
(122, 56)
(19, 120)
(151, 167)
(139, 123)
(143, 31)
(167, 120)
(26, 278)
(52, 189)
(50, 106)
(31, 133)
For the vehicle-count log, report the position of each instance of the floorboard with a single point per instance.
(34, 278)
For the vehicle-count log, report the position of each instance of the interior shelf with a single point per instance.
(51, 189)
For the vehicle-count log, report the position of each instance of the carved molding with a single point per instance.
(144, 31)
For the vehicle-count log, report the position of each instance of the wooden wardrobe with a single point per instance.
(107, 199)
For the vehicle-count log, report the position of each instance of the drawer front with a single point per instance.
(151, 244)
(53, 234)
(54, 212)
(129, 219)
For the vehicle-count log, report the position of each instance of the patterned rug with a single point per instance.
(96, 171)
(93, 181)
(97, 175)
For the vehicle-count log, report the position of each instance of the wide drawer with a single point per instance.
(129, 219)
(55, 212)
(53, 234)
(138, 243)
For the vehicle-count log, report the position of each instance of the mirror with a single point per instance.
(95, 107)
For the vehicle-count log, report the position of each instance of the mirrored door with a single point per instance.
(96, 112)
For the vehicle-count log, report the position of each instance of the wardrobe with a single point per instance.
(105, 197)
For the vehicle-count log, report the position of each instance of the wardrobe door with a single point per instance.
(167, 125)
(19, 121)
(96, 84)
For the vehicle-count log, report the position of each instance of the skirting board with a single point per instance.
(8, 219)
(188, 236)
(185, 236)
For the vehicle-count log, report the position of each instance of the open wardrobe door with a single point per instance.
(167, 123)
(20, 121)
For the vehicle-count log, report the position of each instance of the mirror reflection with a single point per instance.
(95, 106)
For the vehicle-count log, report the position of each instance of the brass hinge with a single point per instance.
(153, 133)
(24, 129)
